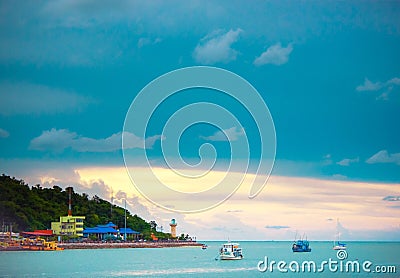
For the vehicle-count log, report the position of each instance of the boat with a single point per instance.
(27, 244)
(230, 251)
(40, 244)
(204, 246)
(340, 246)
(337, 245)
(301, 245)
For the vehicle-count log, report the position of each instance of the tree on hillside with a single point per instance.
(34, 208)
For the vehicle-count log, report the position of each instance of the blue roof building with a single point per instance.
(129, 231)
(109, 231)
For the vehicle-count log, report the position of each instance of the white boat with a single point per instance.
(337, 245)
(230, 251)
(340, 246)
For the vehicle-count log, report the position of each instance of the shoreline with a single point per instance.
(128, 245)
(110, 245)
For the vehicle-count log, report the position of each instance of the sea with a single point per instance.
(261, 259)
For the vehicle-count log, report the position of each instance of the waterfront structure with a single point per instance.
(129, 233)
(69, 225)
(173, 225)
(109, 231)
(38, 233)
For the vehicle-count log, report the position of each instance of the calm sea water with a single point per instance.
(195, 262)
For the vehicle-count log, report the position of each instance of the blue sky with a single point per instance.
(328, 71)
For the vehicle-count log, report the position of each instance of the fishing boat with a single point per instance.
(301, 245)
(230, 251)
(337, 245)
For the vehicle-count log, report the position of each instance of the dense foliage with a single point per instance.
(28, 209)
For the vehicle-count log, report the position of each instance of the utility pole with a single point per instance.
(112, 201)
(125, 221)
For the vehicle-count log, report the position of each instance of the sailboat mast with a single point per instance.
(337, 230)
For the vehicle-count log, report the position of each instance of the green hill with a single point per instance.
(30, 208)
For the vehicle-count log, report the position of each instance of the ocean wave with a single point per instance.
(176, 271)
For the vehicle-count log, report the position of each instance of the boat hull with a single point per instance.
(339, 248)
(301, 251)
(231, 258)
(301, 246)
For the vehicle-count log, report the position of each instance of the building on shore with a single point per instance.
(69, 225)
(110, 231)
(130, 234)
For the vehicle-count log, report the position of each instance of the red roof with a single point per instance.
(39, 233)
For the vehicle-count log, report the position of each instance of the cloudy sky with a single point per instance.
(328, 71)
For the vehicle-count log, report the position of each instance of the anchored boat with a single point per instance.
(230, 251)
(337, 245)
(40, 244)
(301, 245)
(340, 246)
(27, 244)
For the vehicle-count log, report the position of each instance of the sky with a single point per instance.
(327, 71)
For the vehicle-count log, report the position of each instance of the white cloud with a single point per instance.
(394, 81)
(392, 198)
(277, 227)
(369, 86)
(384, 87)
(230, 134)
(384, 95)
(327, 159)
(147, 41)
(217, 47)
(348, 161)
(318, 199)
(58, 140)
(384, 157)
(68, 31)
(276, 55)
(235, 211)
(25, 98)
(339, 177)
(4, 133)
(53, 140)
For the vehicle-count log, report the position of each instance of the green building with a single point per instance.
(69, 225)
